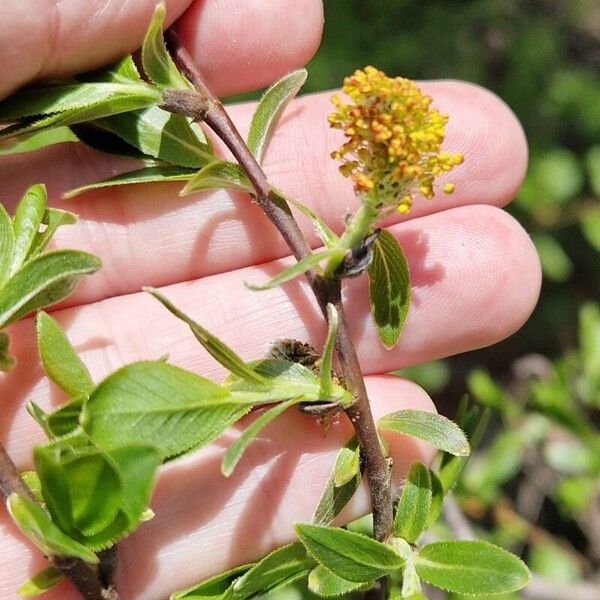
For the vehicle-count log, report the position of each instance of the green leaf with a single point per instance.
(156, 60)
(65, 419)
(36, 141)
(215, 347)
(283, 380)
(555, 562)
(61, 363)
(326, 370)
(269, 110)
(53, 219)
(35, 523)
(145, 175)
(72, 103)
(431, 427)
(39, 416)
(218, 587)
(590, 227)
(556, 264)
(43, 281)
(26, 223)
(323, 582)
(157, 404)
(237, 449)
(471, 567)
(32, 481)
(82, 491)
(280, 567)
(40, 583)
(335, 497)
(163, 135)
(437, 499)
(123, 71)
(414, 505)
(349, 555)
(7, 245)
(347, 463)
(589, 339)
(326, 235)
(389, 288)
(7, 362)
(295, 270)
(219, 174)
(411, 584)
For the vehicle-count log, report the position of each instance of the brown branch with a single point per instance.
(206, 107)
(82, 575)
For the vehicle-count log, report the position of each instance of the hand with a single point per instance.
(475, 276)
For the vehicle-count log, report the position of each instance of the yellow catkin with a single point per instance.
(393, 140)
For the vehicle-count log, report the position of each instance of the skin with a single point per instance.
(475, 274)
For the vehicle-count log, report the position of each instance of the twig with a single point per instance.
(459, 524)
(82, 575)
(206, 107)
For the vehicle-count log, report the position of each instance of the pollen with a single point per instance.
(393, 148)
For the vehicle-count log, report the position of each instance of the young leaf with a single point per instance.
(53, 219)
(269, 110)
(218, 174)
(236, 450)
(65, 419)
(39, 416)
(145, 175)
(471, 567)
(7, 244)
(61, 363)
(283, 380)
(36, 141)
(163, 135)
(326, 235)
(215, 347)
(325, 373)
(431, 427)
(43, 281)
(335, 497)
(218, 587)
(40, 583)
(7, 362)
(156, 60)
(437, 499)
(414, 505)
(82, 492)
(347, 463)
(70, 104)
(324, 583)
(411, 584)
(349, 555)
(389, 288)
(280, 567)
(26, 223)
(295, 270)
(157, 404)
(35, 523)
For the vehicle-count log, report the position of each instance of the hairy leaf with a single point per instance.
(219, 174)
(218, 587)
(431, 427)
(326, 235)
(325, 374)
(295, 270)
(157, 404)
(7, 362)
(40, 583)
(160, 134)
(36, 141)
(471, 567)
(145, 175)
(414, 505)
(347, 463)
(270, 109)
(61, 363)
(35, 523)
(236, 450)
(323, 582)
(280, 567)
(53, 219)
(26, 223)
(44, 281)
(81, 491)
(156, 60)
(214, 346)
(349, 555)
(65, 419)
(389, 288)
(7, 244)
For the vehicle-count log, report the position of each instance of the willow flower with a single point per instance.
(394, 137)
